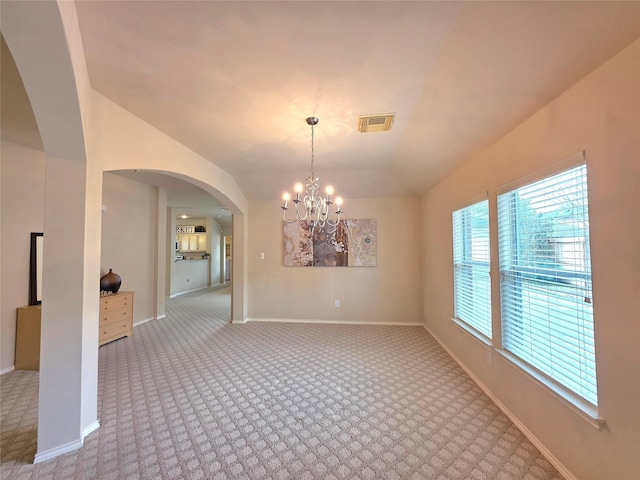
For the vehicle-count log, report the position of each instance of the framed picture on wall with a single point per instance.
(35, 269)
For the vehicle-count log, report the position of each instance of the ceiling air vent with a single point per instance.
(375, 123)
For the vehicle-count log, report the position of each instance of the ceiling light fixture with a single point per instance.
(315, 208)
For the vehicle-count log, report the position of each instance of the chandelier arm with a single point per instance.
(301, 217)
(284, 216)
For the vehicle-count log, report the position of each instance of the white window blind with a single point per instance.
(472, 283)
(545, 272)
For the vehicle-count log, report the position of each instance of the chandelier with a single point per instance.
(312, 208)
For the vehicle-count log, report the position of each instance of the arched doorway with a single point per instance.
(83, 135)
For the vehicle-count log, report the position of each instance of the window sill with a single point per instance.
(473, 332)
(584, 409)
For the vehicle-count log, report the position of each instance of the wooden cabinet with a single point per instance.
(28, 338)
(201, 243)
(192, 242)
(116, 321)
(116, 317)
(183, 243)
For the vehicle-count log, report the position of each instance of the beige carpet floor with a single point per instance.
(194, 397)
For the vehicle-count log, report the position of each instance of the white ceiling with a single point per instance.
(234, 81)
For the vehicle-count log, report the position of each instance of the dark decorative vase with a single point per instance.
(110, 282)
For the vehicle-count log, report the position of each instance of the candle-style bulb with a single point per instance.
(285, 197)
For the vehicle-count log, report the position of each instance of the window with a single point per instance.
(545, 279)
(472, 284)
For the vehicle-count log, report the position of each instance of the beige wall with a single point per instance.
(387, 293)
(601, 114)
(120, 141)
(22, 174)
(23, 211)
(128, 236)
(129, 239)
(216, 250)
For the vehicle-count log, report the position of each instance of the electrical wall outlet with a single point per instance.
(337, 303)
(489, 358)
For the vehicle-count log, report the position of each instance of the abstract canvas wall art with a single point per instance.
(351, 243)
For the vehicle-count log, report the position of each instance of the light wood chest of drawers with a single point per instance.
(28, 338)
(116, 317)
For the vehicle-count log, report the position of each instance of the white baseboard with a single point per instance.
(188, 291)
(340, 322)
(519, 425)
(150, 319)
(55, 452)
(68, 447)
(91, 428)
(7, 369)
(141, 322)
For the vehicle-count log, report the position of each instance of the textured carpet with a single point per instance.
(194, 397)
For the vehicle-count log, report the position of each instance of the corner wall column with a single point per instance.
(60, 425)
(239, 270)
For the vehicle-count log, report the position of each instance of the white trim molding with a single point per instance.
(56, 452)
(173, 295)
(7, 369)
(329, 322)
(91, 428)
(581, 407)
(150, 319)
